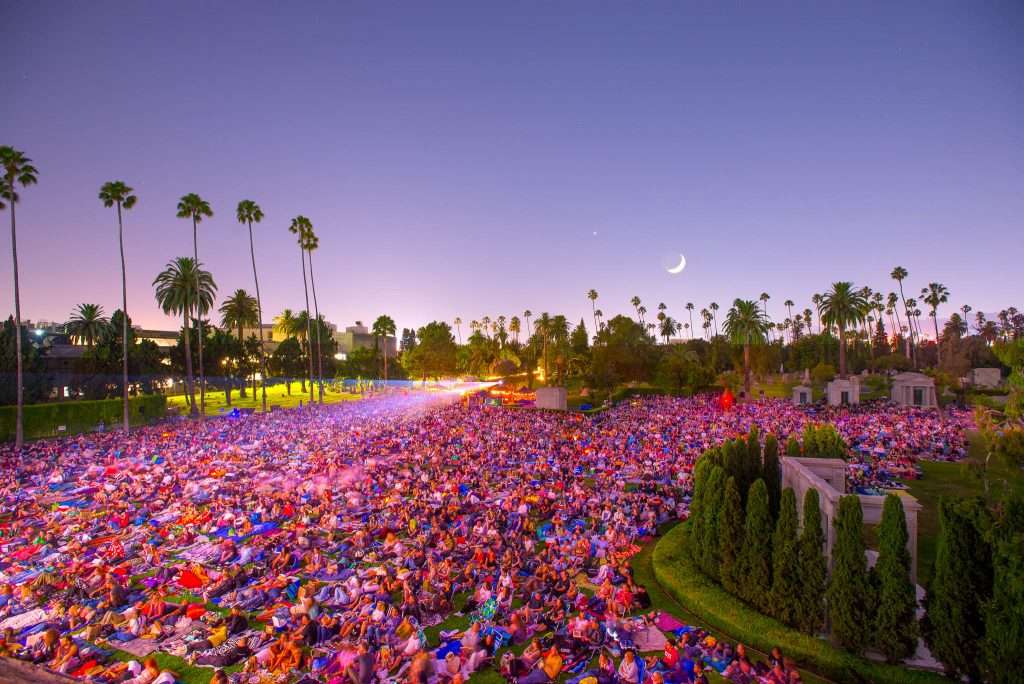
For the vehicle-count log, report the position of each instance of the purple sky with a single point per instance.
(484, 158)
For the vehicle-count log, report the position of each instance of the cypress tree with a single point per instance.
(714, 496)
(730, 531)
(810, 444)
(732, 456)
(896, 618)
(756, 556)
(785, 593)
(849, 591)
(793, 446)
(695, 521)
(813, 567)
(772, 473)
(754, 468)
(961, 585)
(1003, 649)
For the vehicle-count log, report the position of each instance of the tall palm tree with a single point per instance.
(789, 309)
(643, 312)
(86, 323)
(118, 193)
(842, 307)
(313, 244)
(514, 328)
(764, 302)
(966, 309)
(194, 207)
(689, 307)
(714, 315)
(592, 296)
(181, 288)
(384, 327)
(17, 170)
(238, 311)
(458, 328)
(301, 227)
(746, 324)
(816, 300)
(529, 328)
(543, 329)
(668, 328)
(248, 213)
(635, 301)
(899, 274)
(933, 295)
(706, 317)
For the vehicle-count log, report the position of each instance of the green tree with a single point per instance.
(117, 193)
(194, 207)
(435, 355)
(813, 568)
(895, 629)
(786, 587)
(248, 213)
(843, 306)
(238, 311)
(1003, 649)
(384, 327)
(17, 170)
(745, 324)
(37, 383)
(86, 323)
(182, 287)
(961, 585)
(695, 521)
(730, 539)
(792, 446)
(756, 557)
(287, 362)
(849, 592)
(713, 501)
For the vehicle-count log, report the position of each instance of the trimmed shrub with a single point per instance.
(849, 591)
(785, 591)
(712, 504)
(793, 446)
(44, 420)
(896, 618)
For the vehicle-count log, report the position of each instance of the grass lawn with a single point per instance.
(277, 395)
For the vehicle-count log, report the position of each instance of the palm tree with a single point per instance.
(302, 226)
(17, 170)
(238, 311)
(312, 244)
(842, 307)
(816, 300)
(86, 323)
(706, 316)
(899, 274)
(635, 301)
(966, 309)
(529, 328)
(643, 312)
(764, 302)
(118, 193)
(384, 327)
(248, 213)
(592, 296)
(543, 328)
(181, 288)
(668, 328)
(714, 315)
(458, 328)
(689, 307)
(789, 309)
(196, 208)
(933, 295)
(514, 328)
(746, 324)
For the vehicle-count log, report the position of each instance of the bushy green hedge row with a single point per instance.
(43, 420)
(713, 605)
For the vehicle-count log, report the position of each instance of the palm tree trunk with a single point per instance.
(319, 354)
(911, 350)
(124, 311)
(938, 347)
(309, 336)
(259, 310)
(19, 428)
(691, 324)
(245, 381)
(189, 385)
(746, 370)
(199, 319)
(593, 307)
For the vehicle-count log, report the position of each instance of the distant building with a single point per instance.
(358, 336)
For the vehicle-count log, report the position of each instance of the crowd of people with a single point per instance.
(399, 538)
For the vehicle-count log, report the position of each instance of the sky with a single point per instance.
(471, 159)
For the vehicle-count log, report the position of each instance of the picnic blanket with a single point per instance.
(140, 648)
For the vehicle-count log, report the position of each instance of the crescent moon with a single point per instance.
(678, 269)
